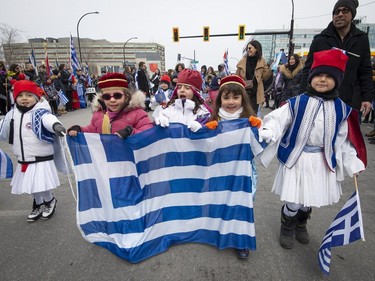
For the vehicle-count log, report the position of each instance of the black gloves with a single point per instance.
(76, 128)
(124, 133)
(59, 129)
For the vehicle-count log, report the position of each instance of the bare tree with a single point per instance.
(8, 36)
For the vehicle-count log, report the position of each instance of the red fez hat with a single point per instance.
(332, 62)
(234, 79)
(113, 80)
(27, 86)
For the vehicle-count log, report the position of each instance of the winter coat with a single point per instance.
(26, 145)
(262, 72)
(289, 82)
(133, 115)
(357, 84)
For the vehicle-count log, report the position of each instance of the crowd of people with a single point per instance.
(325, 92)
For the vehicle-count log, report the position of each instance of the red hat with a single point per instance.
(113, 80)
(234, 79)
(332, 62)
(190, 77)
(165, 78)
(27, 86)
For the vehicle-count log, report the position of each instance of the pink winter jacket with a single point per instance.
(133, 115)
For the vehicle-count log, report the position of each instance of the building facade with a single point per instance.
(96, 54)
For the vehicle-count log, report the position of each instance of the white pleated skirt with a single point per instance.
(308, 182)
(39, 177)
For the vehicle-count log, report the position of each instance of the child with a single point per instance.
(29, 127)
(117, 111)
(311, 136)
(232, 103)
(186, 105)
(162, 96)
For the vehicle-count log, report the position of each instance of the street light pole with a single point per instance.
(124, 48)
(79, 43)
(291, 45)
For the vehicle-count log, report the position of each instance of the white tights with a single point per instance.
(291, 209)
(45, 196)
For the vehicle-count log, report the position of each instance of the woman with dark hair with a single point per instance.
(254, 70)
(290, 78)
(4, 89)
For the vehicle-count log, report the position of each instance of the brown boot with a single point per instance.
(370, 134)
(302, 235)
(288, 225)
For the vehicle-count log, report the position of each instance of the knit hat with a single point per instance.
(55, 72)
(351, 4)
(190, 77)
(110, 80)
(215, 83)
(235, 79)
(166, 79)
(27, 86)
(331, 62)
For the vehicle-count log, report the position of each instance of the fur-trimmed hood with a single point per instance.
(138, 99)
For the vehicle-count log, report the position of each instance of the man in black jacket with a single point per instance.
(356, 89)
(143, 83)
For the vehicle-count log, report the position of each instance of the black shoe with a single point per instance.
(372, 141)
(243, 253)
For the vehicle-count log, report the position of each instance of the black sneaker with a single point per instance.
(49, 209)
(243, 253)
(36, 212)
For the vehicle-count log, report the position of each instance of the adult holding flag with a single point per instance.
(318, 142)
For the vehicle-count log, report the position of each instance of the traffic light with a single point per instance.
(206, 33)
(176, 35)
(241, 32)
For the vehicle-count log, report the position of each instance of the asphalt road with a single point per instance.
(55, 249)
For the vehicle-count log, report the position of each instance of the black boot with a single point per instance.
(302, 235)
(288, 225)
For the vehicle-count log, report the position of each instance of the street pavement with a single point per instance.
(55, 250)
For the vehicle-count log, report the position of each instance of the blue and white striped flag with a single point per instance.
(165, 186)
(73, 57)
(226, 65)
(63, 99)
(6, 166)
(346, 228)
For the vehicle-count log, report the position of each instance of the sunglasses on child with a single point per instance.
(116, 96)
(344, 11)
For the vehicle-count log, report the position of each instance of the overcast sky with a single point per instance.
(152, 21)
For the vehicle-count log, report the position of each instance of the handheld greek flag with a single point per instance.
(63, 99)
(165, 186)
(346, 228)
(73, 57)
(225, 59)
(6, 166)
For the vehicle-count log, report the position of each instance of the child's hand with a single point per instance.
(212, 125)
(194, 126)
(59, 129)
(255, 121)
(265, 135)
(73, 131)
(124, 133)
(162, 121)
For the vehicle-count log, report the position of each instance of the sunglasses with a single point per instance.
(116, 96)
(344, 11)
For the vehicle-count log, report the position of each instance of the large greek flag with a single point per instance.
(165, 186)
(6, 166)
(73, 57)
(346, 228)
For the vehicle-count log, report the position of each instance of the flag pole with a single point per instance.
(359, 209)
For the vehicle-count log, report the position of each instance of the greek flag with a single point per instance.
(81, 95)
(165, 186)
(6, 166)
(73, 56)
(346, 228)
(63, 99)
(32, 60)
(225, 59)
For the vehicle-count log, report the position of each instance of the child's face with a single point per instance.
(26, 99)
(322, 83)
(185, 91)
(114, 99)
(164, 85)
(230, 102)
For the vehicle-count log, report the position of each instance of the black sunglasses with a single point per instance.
(344, 11)
(116, 96)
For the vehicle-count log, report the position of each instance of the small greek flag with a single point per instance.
(73, 56)
(346, 228)
(6, 166)
(64, 100)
